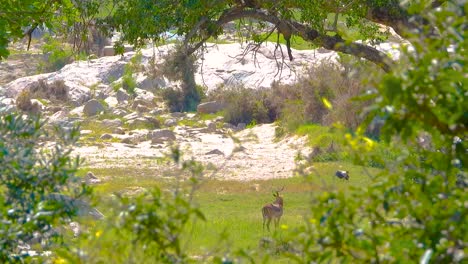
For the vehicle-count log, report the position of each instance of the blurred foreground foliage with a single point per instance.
(415, 208)
(32, 176)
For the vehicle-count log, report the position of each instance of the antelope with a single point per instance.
(273, 211)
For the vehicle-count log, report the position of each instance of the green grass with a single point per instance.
(232, 208)
(205, 117)
(296, 42)
(190, 123)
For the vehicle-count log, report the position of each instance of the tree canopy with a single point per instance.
(313, 21)
(140, 20)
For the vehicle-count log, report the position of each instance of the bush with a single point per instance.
(23, 101)
(244, 105)
(56, 91)
(56, 55)
(30, 177)
(176, 98)
(128, 81)
(181, 67)
(305, 101)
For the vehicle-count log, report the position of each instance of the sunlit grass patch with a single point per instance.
(232, 208)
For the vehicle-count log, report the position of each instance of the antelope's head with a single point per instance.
(279, 199)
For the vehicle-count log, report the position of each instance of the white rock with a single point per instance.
(170, 122)
(147, 83)
(111, 101)
(161, 135)
(57, 116)
(112, 123)
(210, 107)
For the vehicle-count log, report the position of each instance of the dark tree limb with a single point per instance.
(335, 43)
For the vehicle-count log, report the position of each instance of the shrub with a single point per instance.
(243, 105)
(128, 81)
(56, 91)
(181, 67)
(30, 177)
(303, 102)
(23, 101)
(176, 98)
(56, 55)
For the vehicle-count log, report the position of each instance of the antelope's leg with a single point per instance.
(277, 222)
(268, 223)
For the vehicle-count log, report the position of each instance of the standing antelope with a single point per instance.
(273, 211)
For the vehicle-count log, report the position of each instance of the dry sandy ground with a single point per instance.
(258, 156)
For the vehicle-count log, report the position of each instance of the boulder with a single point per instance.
(156, 111)
(92, 107)
(54, 109)
(137, 122)
(109, 50)
(106, 137)
(215, 152)
(161, 136)
(229, 126)
(178, 114)
(211, 126)
(148, 83)
(112, 123)
(142, 109)
(119, 112)
(119, 131)
(82, 207)
(58, 116)
(37, 106)
(7, 105)
(210, 107)
(128, 140)
(241, 126)
(145, 99)
(111, 101)
(131, 116)
(85, 132)
(153, 121)
(170, 122)
(122, 96)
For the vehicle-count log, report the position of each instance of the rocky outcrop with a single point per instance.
(226, 65)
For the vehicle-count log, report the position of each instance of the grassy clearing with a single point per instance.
(233, 208)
